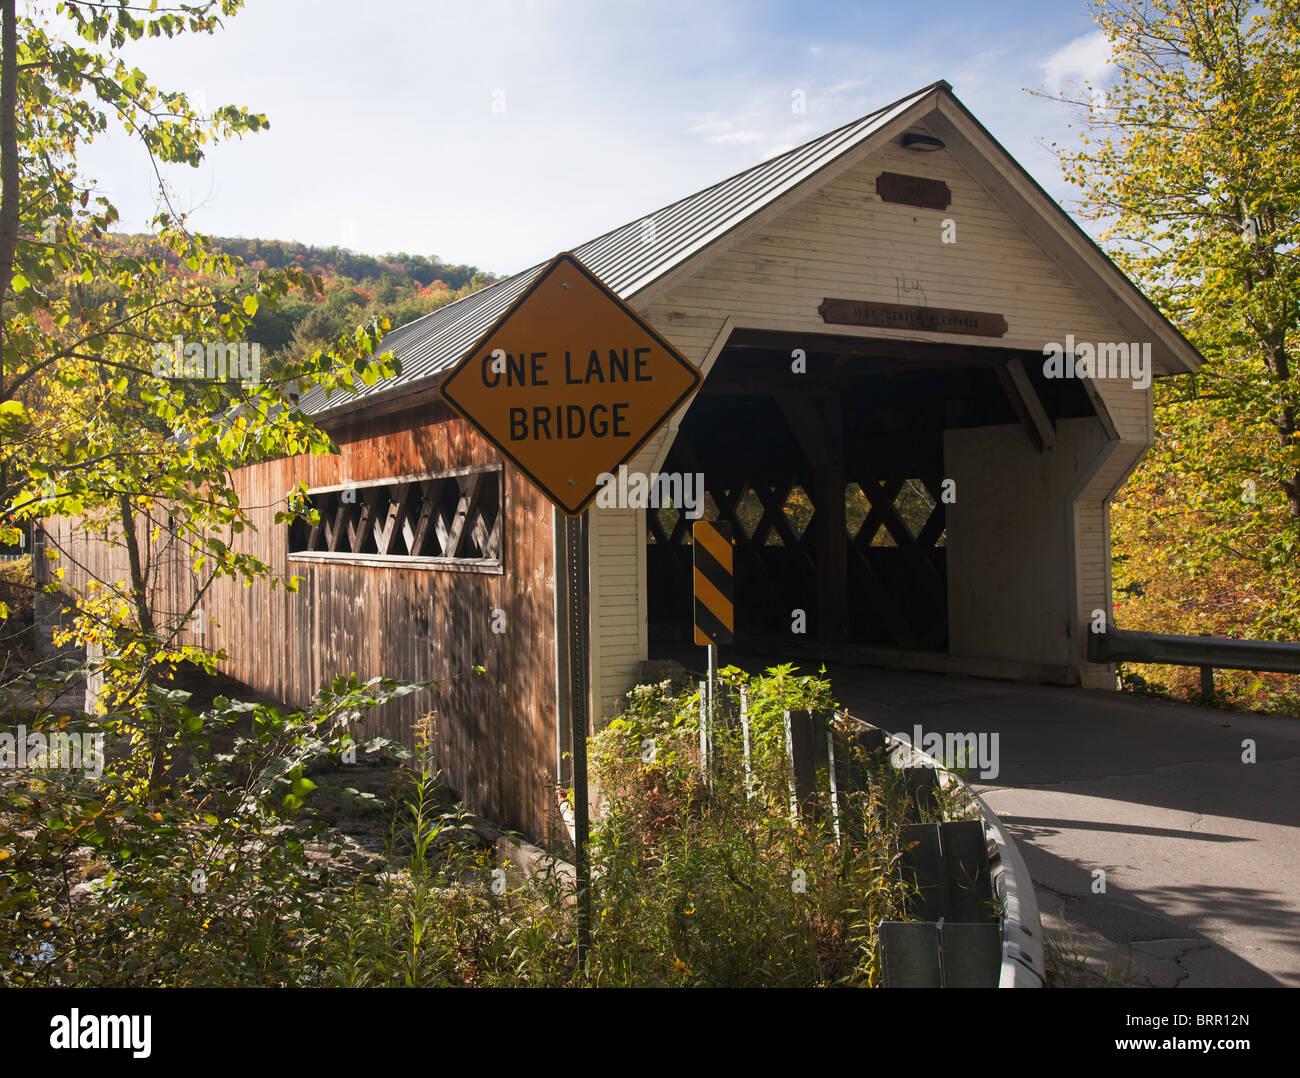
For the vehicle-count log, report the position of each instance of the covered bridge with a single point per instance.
(872, 313)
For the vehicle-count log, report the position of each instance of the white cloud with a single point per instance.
(844, 85)
(1086, 58)
(709, 124)
(724, 132)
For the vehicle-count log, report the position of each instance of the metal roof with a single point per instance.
(628, 259)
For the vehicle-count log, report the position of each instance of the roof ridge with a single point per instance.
(765, 163)
(769, 161)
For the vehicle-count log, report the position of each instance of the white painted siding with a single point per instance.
(841, 240)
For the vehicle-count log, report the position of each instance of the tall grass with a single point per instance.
(696, 881)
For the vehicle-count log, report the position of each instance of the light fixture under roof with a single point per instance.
(914, 140)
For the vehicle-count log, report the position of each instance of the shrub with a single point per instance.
(203, 878)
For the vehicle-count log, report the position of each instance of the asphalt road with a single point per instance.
(1200, 850)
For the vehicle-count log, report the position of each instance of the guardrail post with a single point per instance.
(810, 747)
(1207, 681)
(744, 731)
(802, 746)
(965, 869)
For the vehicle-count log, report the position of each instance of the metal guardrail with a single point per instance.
(1023, 959)
(1206, 652)
(962, 870)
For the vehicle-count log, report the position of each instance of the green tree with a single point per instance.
(1190, 158)
(98, 424)
(96, 420)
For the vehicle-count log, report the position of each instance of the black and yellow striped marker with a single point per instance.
(715, 587)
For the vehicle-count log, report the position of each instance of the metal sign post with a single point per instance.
(576, 558)
(706, 731)
(713, 698)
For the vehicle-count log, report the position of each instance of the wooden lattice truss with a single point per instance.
(774, 530)
(454, 515)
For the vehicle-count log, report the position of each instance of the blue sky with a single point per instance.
(498, 132)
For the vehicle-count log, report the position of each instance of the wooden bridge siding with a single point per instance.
(495, 732)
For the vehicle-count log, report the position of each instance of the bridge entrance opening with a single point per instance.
(825, 456)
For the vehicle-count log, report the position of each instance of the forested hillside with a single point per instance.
(398, 286)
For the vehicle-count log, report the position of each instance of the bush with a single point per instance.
(693, 883)
(205, 877)
(714, 884)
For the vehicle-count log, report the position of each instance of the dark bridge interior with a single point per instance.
(832, 482)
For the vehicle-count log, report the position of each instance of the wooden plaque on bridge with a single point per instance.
(865, 312)
(917, 191)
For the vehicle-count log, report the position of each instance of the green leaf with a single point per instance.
(13, 415)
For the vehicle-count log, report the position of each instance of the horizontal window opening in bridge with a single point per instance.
(448, 520)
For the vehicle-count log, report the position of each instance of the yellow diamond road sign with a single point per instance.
(569, 383)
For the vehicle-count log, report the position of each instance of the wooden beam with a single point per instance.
(923, 573)
(743, 387)
(726, 501)
(319, 530)
(432, 492)
(414, 477)
(1027, 404)
(366, 521)
(879, 600)
(340, 527)
(492, 545)
(875, 519)
(655, 528)
(938, 520)
(386, 540)
(774, 514)
(806, 425)
(786, 341)
(831, 533)
(466, 507)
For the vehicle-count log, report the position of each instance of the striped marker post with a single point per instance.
(715, 619)
(715, 588)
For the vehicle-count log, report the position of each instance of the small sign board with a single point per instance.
(862, 312)
(569, 383)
